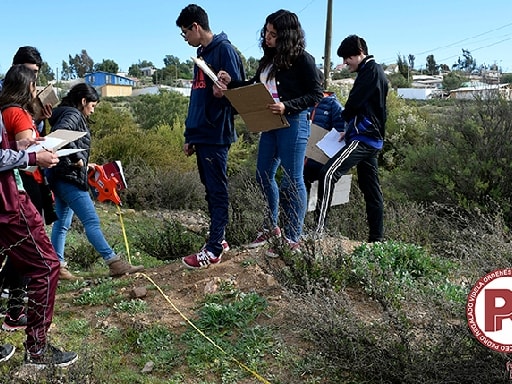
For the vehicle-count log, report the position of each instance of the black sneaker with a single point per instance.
(6, 352)
(51, 356)
(12, 325)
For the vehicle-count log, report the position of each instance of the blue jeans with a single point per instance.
(70, 199)
(285, 147)
(212, 163)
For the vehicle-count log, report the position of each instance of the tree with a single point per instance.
(403, 67)
(411, 61)
(250, 67)
(432, 67)
(66, 72)
(506, 78)
(107, 65)
(467, 64)
(170, 60)
(398, 80)
(45, 74)
(453, 80)
(135, 69)
(79, 65)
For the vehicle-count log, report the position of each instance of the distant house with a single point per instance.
(147, 71)
(416, 93)
(110, 84)
(482, 91)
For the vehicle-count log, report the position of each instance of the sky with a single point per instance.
(131, 31)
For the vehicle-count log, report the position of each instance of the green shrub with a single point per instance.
(166, 108)
(168, 242)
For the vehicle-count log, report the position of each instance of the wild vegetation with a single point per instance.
(342, 312)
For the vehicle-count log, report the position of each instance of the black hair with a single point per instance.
(290, 42)
(27, 55)
(193, 13)
(352, 45)
(77, 93)
(16, 88)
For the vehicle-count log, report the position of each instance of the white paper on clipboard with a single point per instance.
(206, 69)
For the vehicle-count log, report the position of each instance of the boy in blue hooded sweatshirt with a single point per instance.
(209, 127)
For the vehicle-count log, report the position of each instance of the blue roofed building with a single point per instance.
(110, 84)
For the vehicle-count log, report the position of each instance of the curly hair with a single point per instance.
(290, 42)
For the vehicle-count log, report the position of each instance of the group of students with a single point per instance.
(32, 263)
(289, 73)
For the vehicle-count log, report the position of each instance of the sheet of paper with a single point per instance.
(50, 143)
(68, 151)
(330, 143)
(56, 140)
(251, 103)
(206, 69)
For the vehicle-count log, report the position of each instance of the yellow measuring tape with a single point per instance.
(242, 365)
(124, 234)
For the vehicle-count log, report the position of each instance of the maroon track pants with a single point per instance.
(27, 245)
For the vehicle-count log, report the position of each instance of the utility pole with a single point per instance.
(327, 48)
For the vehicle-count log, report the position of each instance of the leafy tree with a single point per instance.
(453, 80)
(467, 63)
(432, 67)
(506, 78)
(66, 73)
(45, 74)
(444, 67)
(107, 65)
(134, 69)
(170, 60)
(173, 70)
(403, 67)
(398, 80)
(79, 65)
(250, 67)
(411, 59)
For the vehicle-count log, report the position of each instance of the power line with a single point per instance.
(468, 40)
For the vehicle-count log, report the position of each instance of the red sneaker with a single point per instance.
(225, 246)
(202, 259)
(264, 236)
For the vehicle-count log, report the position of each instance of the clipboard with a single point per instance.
(251, 104)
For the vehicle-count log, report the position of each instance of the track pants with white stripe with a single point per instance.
(364, 158)
(25, 242)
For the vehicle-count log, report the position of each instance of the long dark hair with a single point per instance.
(77, 93)
(290, 42)
(16, 88)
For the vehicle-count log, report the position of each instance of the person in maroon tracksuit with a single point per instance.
(24, 240)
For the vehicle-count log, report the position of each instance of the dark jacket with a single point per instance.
(365, 109)
(327, 113)
(299, 87)
(67, 169)
(210, 119)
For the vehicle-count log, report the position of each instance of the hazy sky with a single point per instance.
(131, 31)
